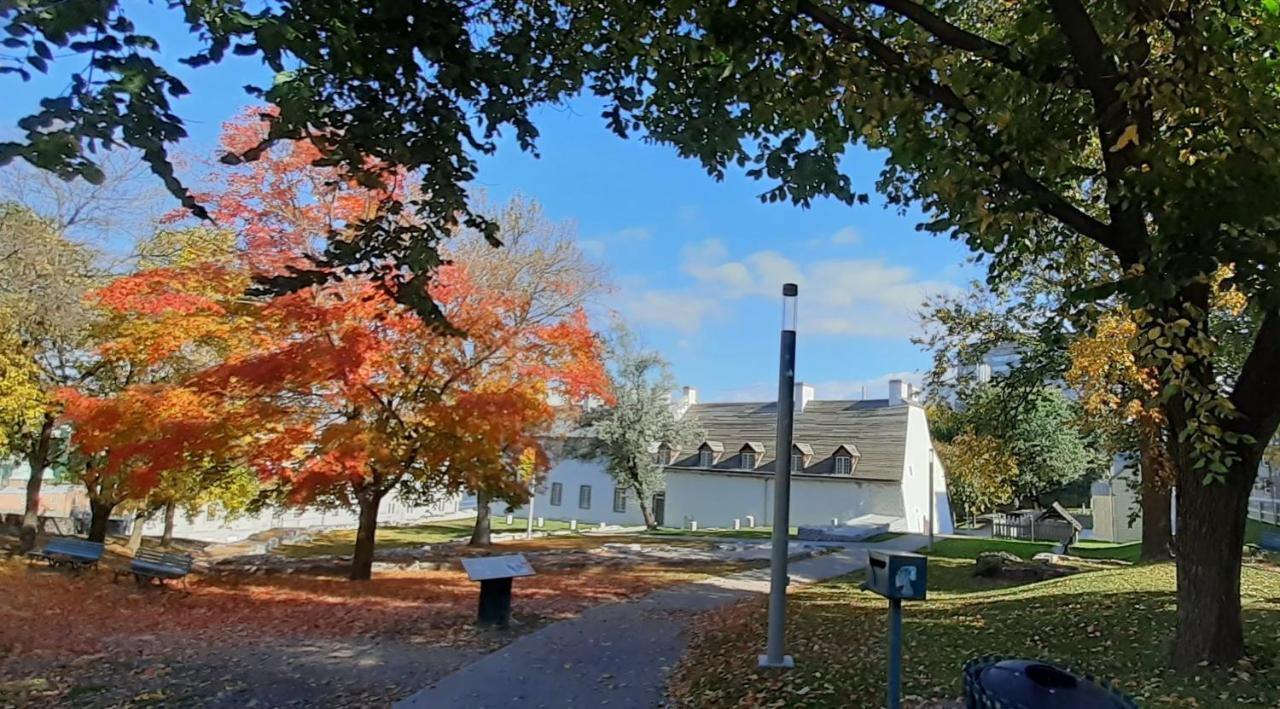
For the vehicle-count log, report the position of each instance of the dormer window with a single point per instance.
(749, 455)
(801, 454)
(846, 458)
(748, 460)
(663, 455)
(709, 453)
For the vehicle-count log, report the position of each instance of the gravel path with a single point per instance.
(617, 655)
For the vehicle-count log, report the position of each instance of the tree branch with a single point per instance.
(1012, 174)
(959, 38)
(1100, 75)
(1257, 392)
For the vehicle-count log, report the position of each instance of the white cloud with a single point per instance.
(875, 388)
(837, 297)
(633, 233)
(592, 247)
(678, 310)
(847, 236)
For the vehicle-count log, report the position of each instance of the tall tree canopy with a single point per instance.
(1146, 130)
(626, 433)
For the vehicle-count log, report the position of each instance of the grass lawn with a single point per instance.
(970, 548)
(342, 541)
(1114, 623)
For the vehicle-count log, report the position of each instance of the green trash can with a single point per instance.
(1006, 683)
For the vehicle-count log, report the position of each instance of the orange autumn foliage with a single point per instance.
(334, 393)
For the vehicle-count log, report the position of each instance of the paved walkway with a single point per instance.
(618, 654)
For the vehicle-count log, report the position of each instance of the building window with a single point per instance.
(749, 460)
(619, 500)
(844, 465)
(797, 462)
(663, 455)
(706, 459)
(584, 497)
(557, 494)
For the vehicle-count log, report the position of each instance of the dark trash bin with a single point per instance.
(998, 683)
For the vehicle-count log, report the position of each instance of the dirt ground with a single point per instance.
(275, 640)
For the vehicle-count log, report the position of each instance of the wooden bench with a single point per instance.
(1270, 541)
(150, 566)
(69, 552)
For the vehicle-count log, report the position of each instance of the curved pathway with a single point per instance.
(618, 655)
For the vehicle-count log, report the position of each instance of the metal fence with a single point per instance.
(1265, 509)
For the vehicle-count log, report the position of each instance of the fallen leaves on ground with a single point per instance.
(1113, 623)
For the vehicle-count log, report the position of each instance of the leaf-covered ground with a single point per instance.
(1114, 623)
(316, 641)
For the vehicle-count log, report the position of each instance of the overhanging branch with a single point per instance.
(959, 38)
(1012, 174)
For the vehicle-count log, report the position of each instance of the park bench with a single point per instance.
(69, 552)
(150, 566)
(1270, 541)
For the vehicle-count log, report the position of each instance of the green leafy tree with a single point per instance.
(1037, 429)
(625, 433)
(47, 339)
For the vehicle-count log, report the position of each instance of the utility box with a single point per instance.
(897, 575)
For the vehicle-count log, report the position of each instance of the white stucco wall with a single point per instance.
(214, 528)
(572, 474)
(716, 499)
(915, 479)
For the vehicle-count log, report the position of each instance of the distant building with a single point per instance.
(850, 460)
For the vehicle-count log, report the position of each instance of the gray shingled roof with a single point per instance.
(878, 430)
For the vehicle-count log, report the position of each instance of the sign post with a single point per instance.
(896, 576)
(774, 652)
(494, 574)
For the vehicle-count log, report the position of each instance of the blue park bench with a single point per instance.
(70, 552)
(150, 566)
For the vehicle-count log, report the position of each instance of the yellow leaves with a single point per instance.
(1225, 297)
(1130, 135)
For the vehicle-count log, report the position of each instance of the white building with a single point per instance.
(850, 459)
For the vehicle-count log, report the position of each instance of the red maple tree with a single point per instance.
(336, 394)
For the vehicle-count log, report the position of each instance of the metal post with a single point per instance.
(895, 653)
(932, 509)
(533, 495)
(774, 656)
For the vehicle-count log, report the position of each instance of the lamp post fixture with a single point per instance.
(932, 508)
(774, 655)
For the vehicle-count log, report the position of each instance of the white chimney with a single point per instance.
(690, 396)
(804, 394)
(899, 392)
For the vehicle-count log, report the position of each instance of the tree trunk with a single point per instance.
(646, 509)
(170, 510)
(135, 532)
(98, 524)
(1211, 522)
(481, 534)
(37, 459)
(1157, 494)
(362, 558)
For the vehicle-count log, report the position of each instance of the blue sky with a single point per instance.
(698, 264)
